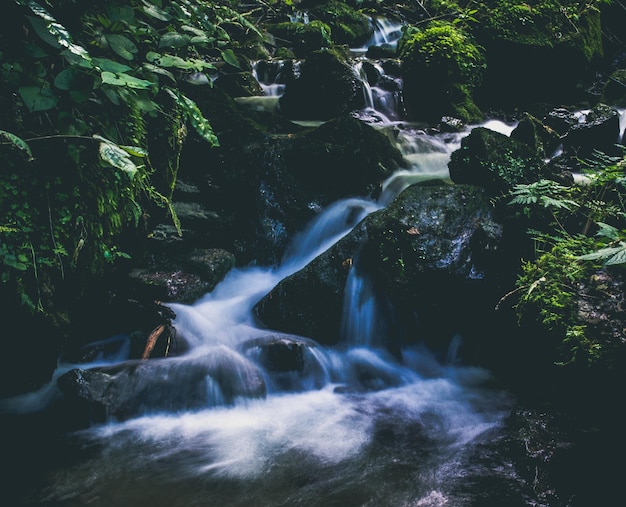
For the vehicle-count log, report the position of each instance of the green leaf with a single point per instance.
(65, 78)
(53, 33)
(41, 29)
(607, 231)
(174, 40)
(610, 255)
(37, 98)
(18, 142)
(230, 58)
(135, 151)
(113, 155)
(106, 65)
(121, 79)
(195, 116)
(178, 63)
(122, 46)
(158, 70)
(155, 12)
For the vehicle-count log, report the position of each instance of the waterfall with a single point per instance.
(230, 423)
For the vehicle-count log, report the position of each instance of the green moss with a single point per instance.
(348, 26)
(303, 38)
(442, 65)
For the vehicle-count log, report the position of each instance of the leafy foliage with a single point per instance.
(77, 82)
(587, 231)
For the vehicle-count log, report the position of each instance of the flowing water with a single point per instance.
(351, 426)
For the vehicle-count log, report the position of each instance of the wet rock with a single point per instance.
(343, 157)
(434, 252)
(495, 162)
(599, 130)
(302, 38)
(310, 302)
(202, 270)
(614, 92)
(327, 87)
(291, 362)
(601, 307)
(241, 84)
(537, 135)
(138, 387)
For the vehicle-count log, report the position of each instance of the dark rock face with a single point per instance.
(537, 135)
(432, 255)
(309, 303)
(137, 387)
(241, 84)
(598, 131)
(327, 87)
(494, 161)
(341, 158)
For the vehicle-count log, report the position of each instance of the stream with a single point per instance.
(354, 426)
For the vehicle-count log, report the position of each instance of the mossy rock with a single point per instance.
(494, 161)
(615, 89)
(342, 157)
(240, 84)
(302, 38)
(441, 66)
(348, 26)
(535, 134)
(538, 51)
(327, 87)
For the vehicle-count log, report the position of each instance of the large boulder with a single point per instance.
(537, 51)
(302, 38)
(327, 87)
(494, 161)
(138, 387)
(432, 257)
(341, 158)
(347, 25)
(441, 67)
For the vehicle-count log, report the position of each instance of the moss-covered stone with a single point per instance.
(327, 87)
(240, 84)
(441, 66)
(348, 26)
(342, 157)
(302, 38)
(537, 50)
(494, 161)
(614, 92)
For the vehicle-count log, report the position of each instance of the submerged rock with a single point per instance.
(138, 387)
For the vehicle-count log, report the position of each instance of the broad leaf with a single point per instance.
(65, 78)
(115, 156)
(155, 12)
(230, 58)
(610, 255)
(104, 64)
(178, 62)
(121, 79)
(174, 40)
(122, 46)
(18, 142)
(37, 98)
(53, 33)
(158, 70)
(195, 116)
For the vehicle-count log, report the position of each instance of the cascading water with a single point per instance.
(351, 425)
